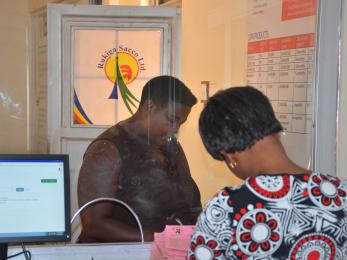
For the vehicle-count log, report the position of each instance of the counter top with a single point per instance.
(109, 251)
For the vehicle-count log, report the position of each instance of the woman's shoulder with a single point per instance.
(328, 176)
(226, 197)
(323, 180)
(279, 186)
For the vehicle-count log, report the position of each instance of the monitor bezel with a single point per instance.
(66, 236)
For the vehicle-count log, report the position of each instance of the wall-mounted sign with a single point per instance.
(110, 69)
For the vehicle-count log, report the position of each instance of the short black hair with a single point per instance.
(234, 119)
(163, 90)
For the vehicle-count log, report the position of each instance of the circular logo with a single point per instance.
(128, 67)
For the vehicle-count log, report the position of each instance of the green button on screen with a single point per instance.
(48, 180)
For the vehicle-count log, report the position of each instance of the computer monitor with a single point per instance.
(34, 199)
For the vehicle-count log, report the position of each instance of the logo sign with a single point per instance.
(121, 67)
(128, 66)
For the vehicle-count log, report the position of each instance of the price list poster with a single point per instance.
(280, 63)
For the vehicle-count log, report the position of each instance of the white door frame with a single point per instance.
(62, 19)
(56, 15)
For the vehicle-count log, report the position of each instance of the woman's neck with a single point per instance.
(136, 129)
(273, 158)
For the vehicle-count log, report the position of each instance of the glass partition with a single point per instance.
(268, 44)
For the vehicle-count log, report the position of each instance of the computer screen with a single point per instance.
(34, 198)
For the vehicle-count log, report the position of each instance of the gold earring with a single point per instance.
(232, 165)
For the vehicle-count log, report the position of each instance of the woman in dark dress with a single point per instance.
(140, 162)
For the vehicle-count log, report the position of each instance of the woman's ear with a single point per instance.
(149, 105)
(229, 158)
(224, 154)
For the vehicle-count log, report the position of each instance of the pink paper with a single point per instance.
(173, 243)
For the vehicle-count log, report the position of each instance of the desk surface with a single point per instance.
(85, 252)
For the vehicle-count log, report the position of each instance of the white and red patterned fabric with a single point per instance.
(272, 217)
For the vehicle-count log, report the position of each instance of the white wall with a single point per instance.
(213, 49)
(37, 4)
(14, 47)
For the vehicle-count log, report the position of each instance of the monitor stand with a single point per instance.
(3, 251)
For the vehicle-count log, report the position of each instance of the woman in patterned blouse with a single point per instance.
(281, 211)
